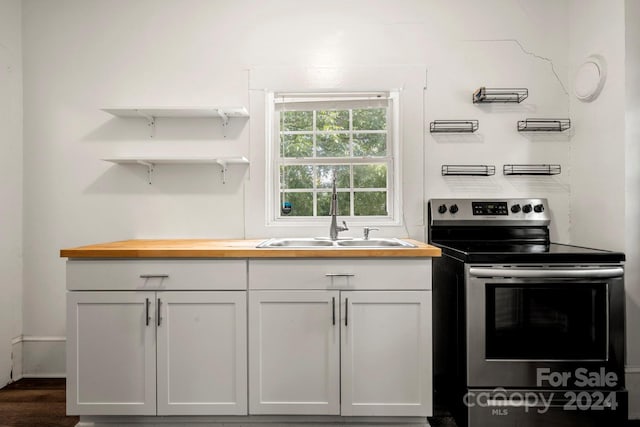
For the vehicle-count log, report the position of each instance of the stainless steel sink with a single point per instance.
(375, 243)
(295, 243)
(299, 242)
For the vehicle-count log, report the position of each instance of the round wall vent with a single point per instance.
(590, 78)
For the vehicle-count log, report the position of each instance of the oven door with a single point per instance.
(526, 323)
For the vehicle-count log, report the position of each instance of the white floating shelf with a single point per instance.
(177, 160)
(178, 112)
(151, 161)
(152, 113)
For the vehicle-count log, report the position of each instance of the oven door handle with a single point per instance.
(567, 273)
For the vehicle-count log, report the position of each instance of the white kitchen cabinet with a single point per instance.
(111, 353)
(294, 341)
(151, 338)
(386, 356)
(341, 274)
(377, 359)
(156, 274)
(202, 353)
(197, 338)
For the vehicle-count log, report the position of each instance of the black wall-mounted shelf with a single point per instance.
(453, 126)
(507, 95)
(468, 170)
(543, 125)
(531, 169)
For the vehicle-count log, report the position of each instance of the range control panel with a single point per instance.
(489, 208)
(489, 211)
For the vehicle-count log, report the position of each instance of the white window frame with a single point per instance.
(393, 161)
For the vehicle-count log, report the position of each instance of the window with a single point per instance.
(349, 136)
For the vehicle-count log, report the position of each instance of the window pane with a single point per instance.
(301, 203)
(297, 120)
(332, 120)
(370, 203)
(369, 144)
(326, 137)
(370, 119)
(370, 176)
(296, 145)
(334, 145)
(324, 177)
(324, 204)
(296, 176)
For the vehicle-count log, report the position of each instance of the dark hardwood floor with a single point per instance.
(41, 403)
(34, 403)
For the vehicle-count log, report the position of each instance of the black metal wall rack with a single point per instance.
(468, 170)
(453, 126)
(508, 95)
(531, 169)
(543, 125)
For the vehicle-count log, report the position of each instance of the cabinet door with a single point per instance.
(202, 353)
(386, 353)
(294, 352)
(111, 353)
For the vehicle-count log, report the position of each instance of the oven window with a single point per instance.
(547, 321)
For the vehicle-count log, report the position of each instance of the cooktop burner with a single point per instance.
(523, 252)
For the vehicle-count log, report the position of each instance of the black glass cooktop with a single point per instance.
(526, 252)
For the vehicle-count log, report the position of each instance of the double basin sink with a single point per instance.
(301, 242)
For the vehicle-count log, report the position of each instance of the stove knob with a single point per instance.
(442, 209)
(515, 208)
(453, 209)
(538, 208)
(526, 208)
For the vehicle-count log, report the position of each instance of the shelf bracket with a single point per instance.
(225, 121)
(149, 166)
(223, 165)
(151, 122)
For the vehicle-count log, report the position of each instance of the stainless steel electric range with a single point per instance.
(527, 332)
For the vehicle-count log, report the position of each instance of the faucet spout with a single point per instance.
(334, 228)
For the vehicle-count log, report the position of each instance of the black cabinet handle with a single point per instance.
(159, 318)
(346, 312)
(147, 311)
(333, 310)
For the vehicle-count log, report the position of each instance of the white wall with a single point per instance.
(605, 211)
(10, 182)
(83, 55)
(598, 146)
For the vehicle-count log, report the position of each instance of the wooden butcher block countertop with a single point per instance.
(208, 248)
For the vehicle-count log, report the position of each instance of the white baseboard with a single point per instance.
(45, 375)
(39, 357)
